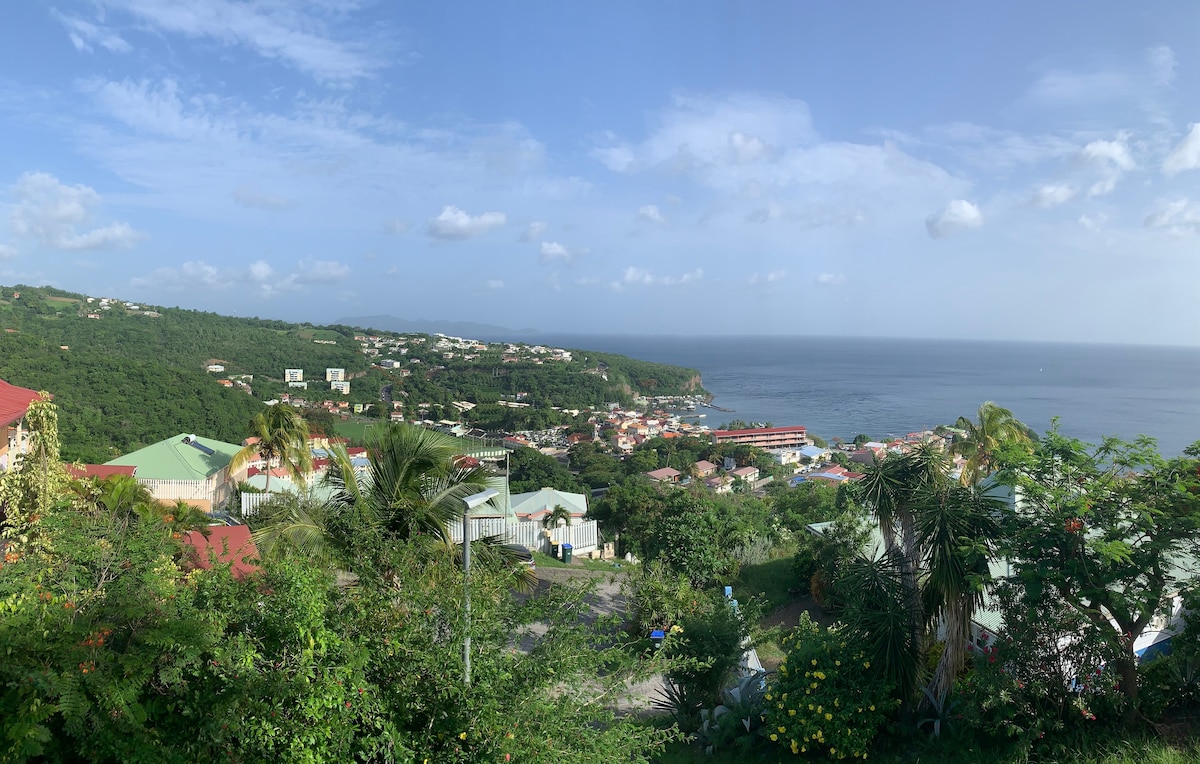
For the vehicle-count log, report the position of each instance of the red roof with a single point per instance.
(229, 544)
(14, 402)
(760, 431)
(99, 471)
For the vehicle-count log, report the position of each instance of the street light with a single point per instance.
(469, 503)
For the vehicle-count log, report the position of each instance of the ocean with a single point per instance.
(883, 387)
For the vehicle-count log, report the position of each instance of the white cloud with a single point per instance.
(634, 276)
(51, 212)
(454, 223)
(1177, 217)
(188, 276)
(84, 34)
(320, 272)
(1111, 159)
(261, 271)
(831, 279)
(552, 250)
(1092, 222)
(765, 279)
(533, 231)
(1186, 154)
(7, 252)
(249, 197)
(495, 284)
(651, 214)
(276, 31)
(1053, 194)
(1162, 65)
(959, 214)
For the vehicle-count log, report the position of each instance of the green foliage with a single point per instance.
(531, 470)
(708, 641)
(658, 598)
(826, 698)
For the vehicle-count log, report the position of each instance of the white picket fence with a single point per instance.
(583, 535)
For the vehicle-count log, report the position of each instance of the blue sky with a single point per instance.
(995, 171)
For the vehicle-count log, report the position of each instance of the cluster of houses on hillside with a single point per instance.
(335, 377)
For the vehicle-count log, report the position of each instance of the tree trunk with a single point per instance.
(1127, 670)
(951, 663)
(909, 562)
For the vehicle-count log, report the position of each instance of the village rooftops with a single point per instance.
(182, 457)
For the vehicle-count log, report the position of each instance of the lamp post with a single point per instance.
(469, 503)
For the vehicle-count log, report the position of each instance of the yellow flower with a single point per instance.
(782, 728)
(791, 712)
(774, 737)
(814, 661)
(828, 717)
(795, 747)
(462, 736)
(837, 663)
(872, 708)
(768, 696)
(866, 664)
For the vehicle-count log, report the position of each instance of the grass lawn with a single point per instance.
(769, 581)
(354, 430)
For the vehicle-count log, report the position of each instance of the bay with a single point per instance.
(882, 387)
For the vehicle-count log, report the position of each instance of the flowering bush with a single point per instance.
(825, 697)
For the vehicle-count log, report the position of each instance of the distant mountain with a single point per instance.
(466, 329)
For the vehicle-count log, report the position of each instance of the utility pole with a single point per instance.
(469, 503)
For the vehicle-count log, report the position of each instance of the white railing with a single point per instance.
(252, 501)
(583, 535)
(188, 490)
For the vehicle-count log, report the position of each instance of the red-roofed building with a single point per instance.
(14, 404)
(100, 471)
(226, 545)
(665, 475)
(764, 437)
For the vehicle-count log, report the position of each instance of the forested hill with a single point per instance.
(129, 375)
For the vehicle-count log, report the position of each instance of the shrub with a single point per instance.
(826, 698)
(709, 645)
(657, 598)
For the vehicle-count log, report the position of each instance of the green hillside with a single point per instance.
(132, 375)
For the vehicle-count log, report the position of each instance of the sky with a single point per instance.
(1016, 170)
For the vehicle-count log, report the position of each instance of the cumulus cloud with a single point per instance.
(1162, 65)
(51, 212)
(189, 275)
(249, 197)
(831, 279)
(634, 277)
(261, 271)
(773, 277)
(321, 272)
(455, 224)
(7, 252)
(533, 231)
(1186, 154)
(84, 35)
(651, 214)
(1111, 159)
(1177, 217)
(1052, 195)
(552, 250)
(959, 214)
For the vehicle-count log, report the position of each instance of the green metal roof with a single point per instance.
(172, 459)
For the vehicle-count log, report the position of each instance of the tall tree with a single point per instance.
(956, 526)
(1113, 531)
(38, 479)
(282, 439)
(993, 428)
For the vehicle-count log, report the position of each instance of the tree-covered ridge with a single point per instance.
(132, 375)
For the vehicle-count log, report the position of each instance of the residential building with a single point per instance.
(665, 475)
(299, 384)
(340, 386)
(14, 404)
(764, 437)
(214, 367)
(335, 375)
(704, 468)
(293, 375)
(186, 467)
(225, 545)
(748, 474)
(535, 505)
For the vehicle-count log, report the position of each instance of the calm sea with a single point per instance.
(882, 387)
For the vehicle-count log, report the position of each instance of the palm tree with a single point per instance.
(282, 437)
(956, 526)
(413, 489)
(555, 517)
(995, 426)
